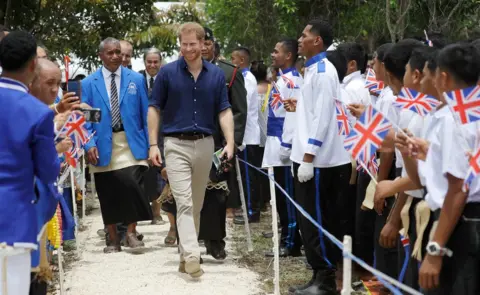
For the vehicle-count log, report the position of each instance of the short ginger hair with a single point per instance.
(191, 27)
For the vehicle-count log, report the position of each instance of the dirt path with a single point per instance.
(152, 272)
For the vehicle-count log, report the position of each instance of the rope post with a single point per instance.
(60, 269)
(84, 188)
(74, 200)
(244, 206)
(276, 257)
(347, 266)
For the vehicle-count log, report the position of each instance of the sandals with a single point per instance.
(171, 237)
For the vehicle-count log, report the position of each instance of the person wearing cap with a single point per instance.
(220, 189)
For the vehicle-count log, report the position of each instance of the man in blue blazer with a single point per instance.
(119, 149)
(27, 154)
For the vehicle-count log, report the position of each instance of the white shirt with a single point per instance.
(108, 80)
(355, 85)
(252, 129)
(276, 120)
(147, 76)
(317, 130)
(445, 155)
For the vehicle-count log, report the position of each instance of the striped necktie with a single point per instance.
(114, 102)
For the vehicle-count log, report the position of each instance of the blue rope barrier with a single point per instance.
(383, 278)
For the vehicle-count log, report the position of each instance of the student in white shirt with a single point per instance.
(280, 129)
(321, 165)
(250, 148)
(458, 212)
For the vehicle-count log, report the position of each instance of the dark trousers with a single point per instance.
(213, 216)
(364, 222)
(233, 199)
(324, 198)
(252, 189)
(460, 273)
(37, 287)
(290, 236)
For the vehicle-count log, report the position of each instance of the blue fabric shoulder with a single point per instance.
(321, 67)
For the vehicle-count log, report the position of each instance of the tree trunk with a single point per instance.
(7, 13)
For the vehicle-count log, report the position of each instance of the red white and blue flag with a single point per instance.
(75, 127)
(275, 97)
(372, 166)
(405, 241)
(372, 83)
(72, 156)
(289, 82)
(465, 104)
(367, 135)
(473, 170)
(417, 102)
(342, 119)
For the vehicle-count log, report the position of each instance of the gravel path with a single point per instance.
(152, 272)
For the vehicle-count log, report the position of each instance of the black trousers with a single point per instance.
(290, 235)
(233, 199)
(213, 216)
(324, 198)
(363, 243)
(37, 287)
(460, 273)
(252, 188)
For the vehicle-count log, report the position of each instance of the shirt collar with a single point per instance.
(441, 112)
(184, 65)
(355, 75)
(245, 70)
(315, 59)
(106, 73)
(148, 76)
(13, 84)
(286, 71)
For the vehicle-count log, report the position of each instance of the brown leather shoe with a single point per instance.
(192, 267)
(133, 242)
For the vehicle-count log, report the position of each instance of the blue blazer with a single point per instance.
(133, 109)
(27, 151)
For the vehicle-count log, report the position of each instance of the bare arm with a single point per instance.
(226, 123)
(153, 120)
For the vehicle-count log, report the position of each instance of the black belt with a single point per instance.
(188, 136)
(118, 128)
(471, 210)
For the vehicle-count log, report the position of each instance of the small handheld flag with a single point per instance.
(367, 135)
(417, 102)
(465, 104)
(473, 170)
(289, 82)
(372, 83)
(342, 119)
(275, 97)
(75, 125)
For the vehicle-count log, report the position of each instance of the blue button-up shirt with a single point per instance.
(190, 106)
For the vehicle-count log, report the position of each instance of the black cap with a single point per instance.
(208, 34)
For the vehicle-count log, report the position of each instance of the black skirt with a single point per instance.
(122, 196)
(150, 183)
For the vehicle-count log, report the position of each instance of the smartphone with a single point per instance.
(75, 86)
(92, 115)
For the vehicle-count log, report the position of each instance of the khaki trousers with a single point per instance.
(188, 167)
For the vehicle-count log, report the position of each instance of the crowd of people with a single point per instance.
(327, 118)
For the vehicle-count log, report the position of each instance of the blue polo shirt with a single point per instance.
(189, 106)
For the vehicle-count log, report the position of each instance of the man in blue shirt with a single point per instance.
(192, 94)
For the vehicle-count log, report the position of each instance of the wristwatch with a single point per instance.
(434, 249)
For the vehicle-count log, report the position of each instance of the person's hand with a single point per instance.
(228, 150)
(164, 174)
(155, 156)
(60, 120)
(82, 106)
(68, 102)
(284, 154)
(305, 172)
(389, 235)
(356, 109)
(401, 141)
(382, 191)
(93, 156)
(418, 148)
(429, 275)
(64, 146)
(290, 104)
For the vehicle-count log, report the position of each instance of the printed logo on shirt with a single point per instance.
(132, 88)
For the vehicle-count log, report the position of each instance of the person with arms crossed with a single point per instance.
(190, 108)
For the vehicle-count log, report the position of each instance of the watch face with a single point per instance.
(432, 249)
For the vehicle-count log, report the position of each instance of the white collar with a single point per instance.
(13, 84)
(148, 76)
(106, 73)
(352, 76)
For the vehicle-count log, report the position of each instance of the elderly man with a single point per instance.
(119, 148)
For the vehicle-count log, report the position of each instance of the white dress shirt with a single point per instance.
(317, 130)
(252, 129)
(355, 85)
(108, 80)
(147, 76)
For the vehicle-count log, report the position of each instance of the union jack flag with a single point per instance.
(465, 103)
(342, 119)
(289, 82)
(75, 126)
(275, 97)
(372, 166)
(417, 102)
(473, 170)
(72, 156)
(372, 83)
(405, 241)
(367, 135)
